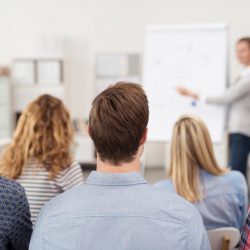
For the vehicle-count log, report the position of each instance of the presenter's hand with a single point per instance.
(187, 92)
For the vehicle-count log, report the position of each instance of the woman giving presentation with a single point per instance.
(237, 98)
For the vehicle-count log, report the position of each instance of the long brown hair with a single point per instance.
(44, 133)
(191, 150)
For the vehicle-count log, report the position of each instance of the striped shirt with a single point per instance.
(40, 188)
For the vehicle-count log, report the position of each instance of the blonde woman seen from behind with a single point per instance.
(219, 194)
(39, 157)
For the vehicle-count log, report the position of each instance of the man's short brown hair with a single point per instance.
(117, 121)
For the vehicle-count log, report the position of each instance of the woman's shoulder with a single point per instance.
(236, 178)
(75, 166)
(244, 80)
(233, 176)
(231, 180)
(70, 176)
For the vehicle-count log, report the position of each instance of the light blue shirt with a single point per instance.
(118, 212)
(224, 202)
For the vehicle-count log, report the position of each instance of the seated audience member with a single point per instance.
(219, 194)
(39, 157)
(116, 208)
(245, 234)
(15, 223)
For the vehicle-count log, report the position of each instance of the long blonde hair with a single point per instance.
(191, 150)
(44, 133)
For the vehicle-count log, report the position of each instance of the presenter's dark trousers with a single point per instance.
(239, 145)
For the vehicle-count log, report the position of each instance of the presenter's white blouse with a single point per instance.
(237, 97)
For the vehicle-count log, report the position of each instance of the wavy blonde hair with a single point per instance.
(191, 150)
(44, 132)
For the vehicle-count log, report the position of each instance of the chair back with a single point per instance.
(225, 238)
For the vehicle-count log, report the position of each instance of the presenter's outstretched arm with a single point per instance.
(229, 96)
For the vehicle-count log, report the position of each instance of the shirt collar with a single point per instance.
(245, 72)
(111, 179)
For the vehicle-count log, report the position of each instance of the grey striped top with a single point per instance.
(40, 189)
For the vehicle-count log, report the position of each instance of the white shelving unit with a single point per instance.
(28, 85)
(114, 67)
(6, 119)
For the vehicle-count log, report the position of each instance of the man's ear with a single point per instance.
(88, 130)
(144, 136)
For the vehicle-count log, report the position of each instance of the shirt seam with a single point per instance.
(115, 184)
(119, 215)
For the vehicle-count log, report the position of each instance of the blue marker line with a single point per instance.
(193, 103)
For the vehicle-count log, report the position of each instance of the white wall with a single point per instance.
(91, 26)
